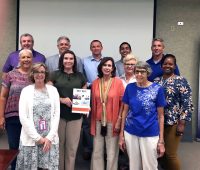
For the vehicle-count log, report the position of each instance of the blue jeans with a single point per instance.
(13, 128)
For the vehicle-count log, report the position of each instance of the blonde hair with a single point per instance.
(34, 68)
(25, 50)
(129, 57)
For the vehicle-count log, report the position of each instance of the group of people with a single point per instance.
(136, 106)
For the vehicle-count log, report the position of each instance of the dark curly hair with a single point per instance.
(168, 56)
(103, 61)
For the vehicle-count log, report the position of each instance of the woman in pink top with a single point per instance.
(107, 93)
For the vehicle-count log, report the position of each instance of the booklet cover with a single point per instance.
(81, 101)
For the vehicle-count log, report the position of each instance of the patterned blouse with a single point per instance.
(15, 81)
(178, 97)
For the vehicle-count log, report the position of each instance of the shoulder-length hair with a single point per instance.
(61, 66)
(103, 61)
(35, 67)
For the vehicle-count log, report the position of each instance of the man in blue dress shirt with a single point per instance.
(90, 65)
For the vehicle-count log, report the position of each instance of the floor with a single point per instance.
(189, 153)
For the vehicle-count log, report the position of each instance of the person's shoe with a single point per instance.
(86, 155)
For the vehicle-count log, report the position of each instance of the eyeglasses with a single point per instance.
(140, 71)
(129, 65)
(39, 72)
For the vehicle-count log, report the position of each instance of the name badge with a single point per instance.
(42, 125)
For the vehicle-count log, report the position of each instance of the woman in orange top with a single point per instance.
(107, 93)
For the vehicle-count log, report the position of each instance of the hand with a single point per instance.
(40, 141)
(47, 145)
(160, 149)
(122, 144)
(66, 101)
(2, 123)
(180, 128)
(118, 125)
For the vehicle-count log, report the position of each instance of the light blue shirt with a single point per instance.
(90, 65)
(52, 63)
(119, 67)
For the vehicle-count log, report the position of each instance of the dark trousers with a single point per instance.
(86, 136)
(13, 128)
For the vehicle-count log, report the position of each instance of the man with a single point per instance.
(26, 42)
(90, 65)
(124, 49)
(157, 49)
(63, 44)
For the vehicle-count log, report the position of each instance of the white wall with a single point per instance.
(110, 21)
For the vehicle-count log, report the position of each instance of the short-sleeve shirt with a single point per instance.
(157, 70)
(65, 83)
(142, 117)
(13, 60)
(15, 81)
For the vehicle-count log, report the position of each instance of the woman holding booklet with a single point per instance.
(65, 80)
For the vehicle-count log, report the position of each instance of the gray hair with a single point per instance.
(25, 50)
(63, 38)
(128, 58)
(158, 39)
(143, 65)
(27, 35)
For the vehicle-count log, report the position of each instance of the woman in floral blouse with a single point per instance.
(177, 111)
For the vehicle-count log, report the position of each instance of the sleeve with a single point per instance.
(56, 116)
(7, 66)
(7, 80)
(52, 76)
(48, 65)
(83, 79)
(186, 104)
(79, 65)
(160, 101)
(24, 116)
(94, 108)
(121, 89)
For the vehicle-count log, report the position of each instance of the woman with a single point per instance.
(39, 113)
(107, 92)
(142, 127)
(177, 111)
(65, 79)
(12, 85)
(128, 76)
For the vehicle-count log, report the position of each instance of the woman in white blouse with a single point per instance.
(129, 63)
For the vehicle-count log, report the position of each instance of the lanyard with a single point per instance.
(104, 97)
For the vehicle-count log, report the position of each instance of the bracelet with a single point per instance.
(159, 142)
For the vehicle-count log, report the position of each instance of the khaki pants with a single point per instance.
(112, 149)
(142, 152)
(69, 136)
(170, 159)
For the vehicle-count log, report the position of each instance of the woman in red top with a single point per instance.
(107, 92)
